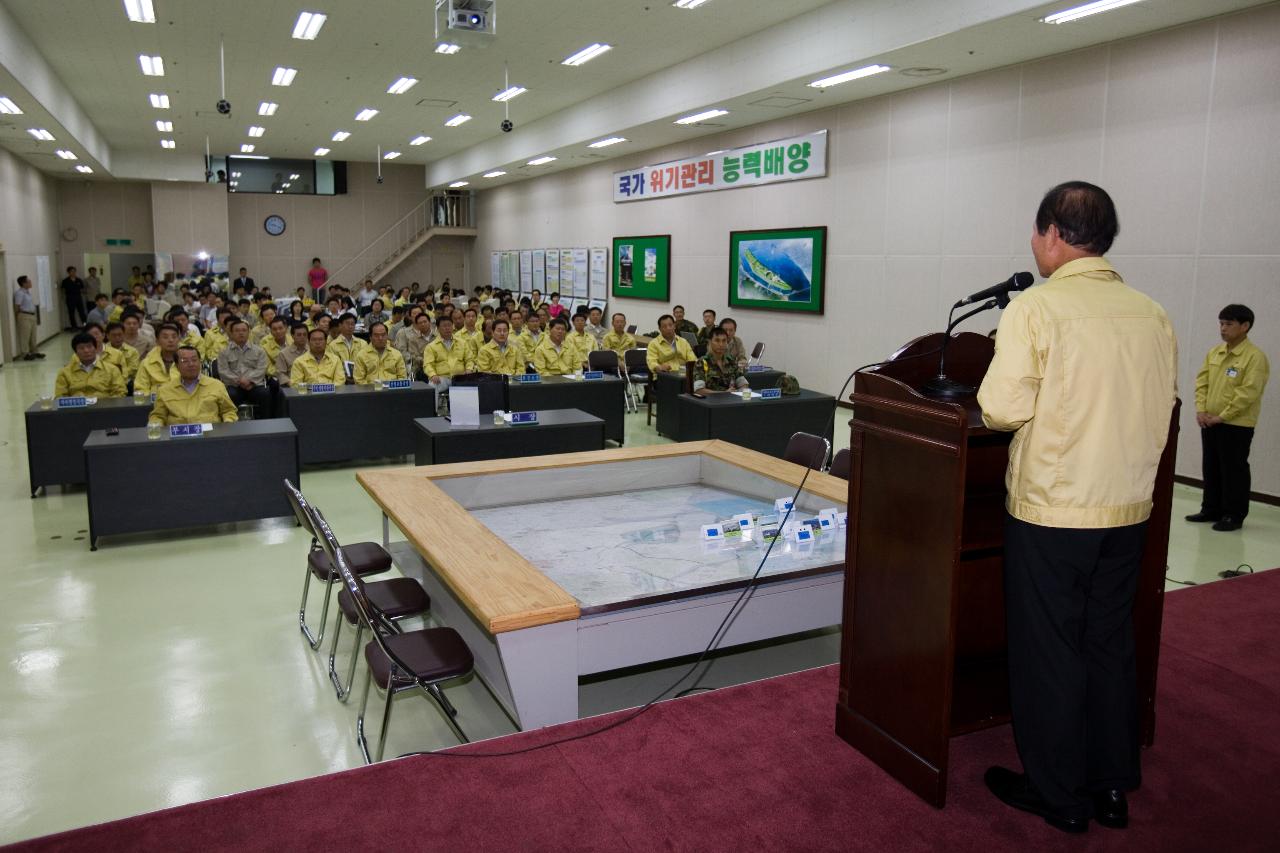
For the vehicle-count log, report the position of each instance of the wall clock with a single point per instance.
(274, 225)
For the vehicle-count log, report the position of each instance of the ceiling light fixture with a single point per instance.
(246, 148)
(688, 4)
(8, 107)
(460, 118)
(266, 108)
(402, 85)
(703, 116)
(496, 173)
(320, 152)
(340, 136)
(308, 25)
(235, 174)
(587, 54)
(40, 133)
(1078, 12)
(159, 100)
(283, 76)
(248, 156)
(164, 126)
(84, 170)
(66, 155)
(509, 93)
(605, 143)
(286, 184)
(366, 114)
(140, 11)
(152, 66)
(168, 143)
(846, 76)
(419, 140)
(447, 48)
(295, 176)
(391, 155)
(538, 161)
(457, 185)
(257, 131)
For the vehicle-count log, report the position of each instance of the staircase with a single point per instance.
(439, 215)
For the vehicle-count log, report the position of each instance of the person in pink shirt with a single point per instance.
(555, 309)
(316, 277)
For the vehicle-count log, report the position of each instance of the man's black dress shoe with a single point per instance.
(1228, 522)
(1202, 516)
(1012, 789)
(1111, 808)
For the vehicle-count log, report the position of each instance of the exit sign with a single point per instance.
(118, 241)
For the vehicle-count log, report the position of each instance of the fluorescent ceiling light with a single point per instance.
(140, 11)
(538, 161)
(266, 108)
(447, 49)
(308, 26)
(8, 107)
(402, 85)
(391, 155)
(457, 185)
(340, 136)
(587, 54)
(235, 174)
(1085, 11)
(846, 76)
(168, 143)
(257, 131)
(66, 155)
(509, 93)
(246, 148)
(320, 152)
(703, 116)
(164, 126)
(286, 185)
(366, 114)
(152, 66)
(496, 173)
(460, 118)
(295, 176)
(159, 100)
(279, 192)
(84, 170)
(40, 133)
(605, 143)
(688, 4)
(249, 156)
(283, 76)
(418, 140)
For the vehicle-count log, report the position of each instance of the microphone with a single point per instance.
(1017, 281)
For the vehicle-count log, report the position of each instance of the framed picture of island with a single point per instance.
(642, 267)
(781, 269)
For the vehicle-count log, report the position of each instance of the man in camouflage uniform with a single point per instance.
(717, 370)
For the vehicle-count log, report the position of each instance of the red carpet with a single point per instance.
(758, 767)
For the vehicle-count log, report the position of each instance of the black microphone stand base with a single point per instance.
(947, 389)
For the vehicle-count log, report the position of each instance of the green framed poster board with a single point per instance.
(642, 267)
(781, 269)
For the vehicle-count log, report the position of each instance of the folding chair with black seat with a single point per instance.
(399, 662)
(394, 599)
(840, 464)
(808, 449)
(756, 352)
(606, 361)
(635, 363)
(365, 558)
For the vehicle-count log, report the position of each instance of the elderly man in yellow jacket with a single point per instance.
(125, 354)
(668, 351)
(556, 356)
(88, 375)
(156, 368)
(318, 365)
(379, 361)
(1228, 400)
(192, 398)
(500, 355)
(1085, 374)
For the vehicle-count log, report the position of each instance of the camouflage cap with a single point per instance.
(789, 384)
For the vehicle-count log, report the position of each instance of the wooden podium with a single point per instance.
(922, 656)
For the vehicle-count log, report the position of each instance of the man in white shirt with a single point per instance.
(24, 311)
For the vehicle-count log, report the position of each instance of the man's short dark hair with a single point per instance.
(619, 314)
(101, 296)
(115, 324)
(231, 327)
(558, 321)
(22, 279)
(497, 323)
(677, 308)
(295, 325)
(666, 317)
(729, 320)
(1237, 314)
(94, 325)
(82, 338)
(319, 330)
(345, 317)
(718, 332)
(131, 311)
(1084, 213)
(281, 321)
(187, 348)
(170, 327)
(376, 325)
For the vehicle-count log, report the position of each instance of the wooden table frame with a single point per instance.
(530, 638)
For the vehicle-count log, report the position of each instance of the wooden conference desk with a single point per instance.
(556, 567)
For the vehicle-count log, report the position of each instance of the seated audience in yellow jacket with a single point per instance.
(379, 361)
(192, 397)
(88, 375)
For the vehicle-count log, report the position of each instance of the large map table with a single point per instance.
(558, 567)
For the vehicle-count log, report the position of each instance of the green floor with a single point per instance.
(166, 669)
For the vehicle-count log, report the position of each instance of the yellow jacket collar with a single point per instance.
(1083, 265)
